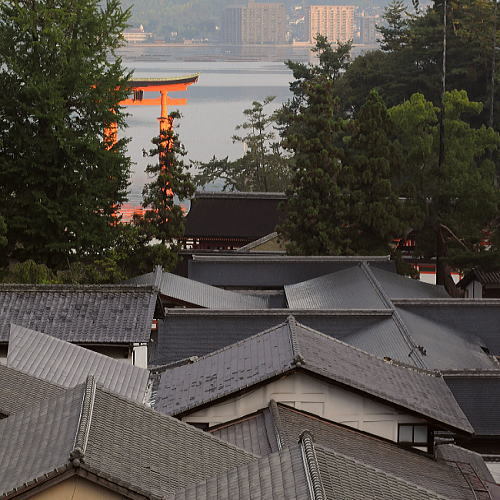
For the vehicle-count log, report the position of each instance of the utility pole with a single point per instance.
(493, 67)
(440, 241)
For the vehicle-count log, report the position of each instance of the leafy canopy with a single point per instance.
(61, 181)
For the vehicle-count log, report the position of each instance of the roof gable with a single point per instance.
(284, 424)
(291, 346)
(82, 314)
(68, 365)
(126, 443)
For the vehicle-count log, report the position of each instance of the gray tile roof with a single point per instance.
(478, 394)
(81, 314)
(484, 277)
(38, 440)
(128, 444)
(19, 390)
(307, 470)
(361, 286)
(277, 476)
(447, 346)
(190, 292)
(291, 346)
(373, 451)
(257, 433)
(341, 475)
(286, 424)
(346, 289)
(400, 287)
(195, 332)
(68, 365)
(268, 271)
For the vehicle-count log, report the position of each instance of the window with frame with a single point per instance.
(413, 434)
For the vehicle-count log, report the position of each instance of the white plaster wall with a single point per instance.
(313, 395)
(140, 355)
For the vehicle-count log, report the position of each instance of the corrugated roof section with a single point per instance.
(479, 397)
(82, 314)
(446, 347)
(68, 365)
(347, 289)
(188, 291)
(401, 287)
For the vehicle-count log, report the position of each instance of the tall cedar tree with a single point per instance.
(375, 215)
(60, 81)
(164, 217)
(263, 167)
(313, 132)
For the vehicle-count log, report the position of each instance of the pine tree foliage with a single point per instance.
(376, 216)
(264, 165)
(171, 181)
(60, 180)
(313, 132)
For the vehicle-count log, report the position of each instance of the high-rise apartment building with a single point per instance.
(255, 23)
(336, 22)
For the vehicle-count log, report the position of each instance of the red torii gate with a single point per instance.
(162, 85)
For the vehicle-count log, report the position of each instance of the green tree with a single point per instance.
(411, 59)
(459, 201)
(264, 165)
(171, 182)
(3, 232)
(375, 215)
(394, 33)
(61, 180)
(313, 132)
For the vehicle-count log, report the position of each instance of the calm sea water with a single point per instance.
(231, 78)
(215, 106)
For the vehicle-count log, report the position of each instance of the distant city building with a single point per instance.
(137, 35)
(367, 29)
(255, 23)
(336, 22)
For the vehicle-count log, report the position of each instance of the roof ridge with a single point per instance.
(403, 330)
(385, 473)
(285, 311)
(294, 342)
(230, 346)
(426, 371)
(311, 466)
(120, 288)
(77, 454)
(276, 422)
(446, 301)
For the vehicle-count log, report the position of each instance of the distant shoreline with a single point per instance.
(220, 45)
